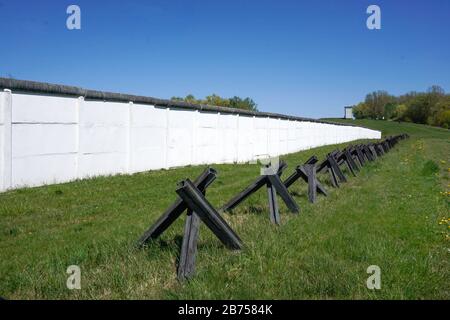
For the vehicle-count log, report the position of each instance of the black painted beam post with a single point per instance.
(293, 177)
(310, 171)
(282, 191)
(354, 156)
(380, 149)
(333, 164)
(374, 151)
(241, 196)
(367, 152)
(391, 141)
(186, 264)
(360, 155)
(341, 158)
(334, 179)
(274, 214)
(350, 159)
(326, 166)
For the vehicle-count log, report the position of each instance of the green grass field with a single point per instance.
(395, 214)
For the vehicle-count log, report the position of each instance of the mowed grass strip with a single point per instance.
(394, 215)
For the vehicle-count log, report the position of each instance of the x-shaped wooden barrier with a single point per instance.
(342, 158)
(307, 172)
(274, 185)
(356, 155)
(330, 164)
(192, 200)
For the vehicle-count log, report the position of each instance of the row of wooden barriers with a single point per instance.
(192, 196)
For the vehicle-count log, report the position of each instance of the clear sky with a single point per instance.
(306, 58)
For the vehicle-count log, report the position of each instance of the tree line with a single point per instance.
(215, 100)
(431, 107)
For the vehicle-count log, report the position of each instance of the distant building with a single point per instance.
(348, 113)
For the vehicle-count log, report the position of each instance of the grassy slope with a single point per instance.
(388, 216)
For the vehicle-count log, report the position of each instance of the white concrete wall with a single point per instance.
(48, 139)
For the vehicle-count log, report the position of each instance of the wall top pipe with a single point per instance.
(64, 90)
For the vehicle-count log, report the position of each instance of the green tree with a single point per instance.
(419, 109)
(434, 95)
(215, 100)
(389, 110)
(361, 111)
(190, 98)
(376, 102)
(400, 112)
(246, 104)
(430, 107)
(441, 116)
(177, 99)
(218, 101)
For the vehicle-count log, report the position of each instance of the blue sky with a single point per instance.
(306, 58)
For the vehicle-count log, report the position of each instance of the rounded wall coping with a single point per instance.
(27, 86)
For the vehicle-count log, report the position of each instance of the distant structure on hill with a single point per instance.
(348, 113)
